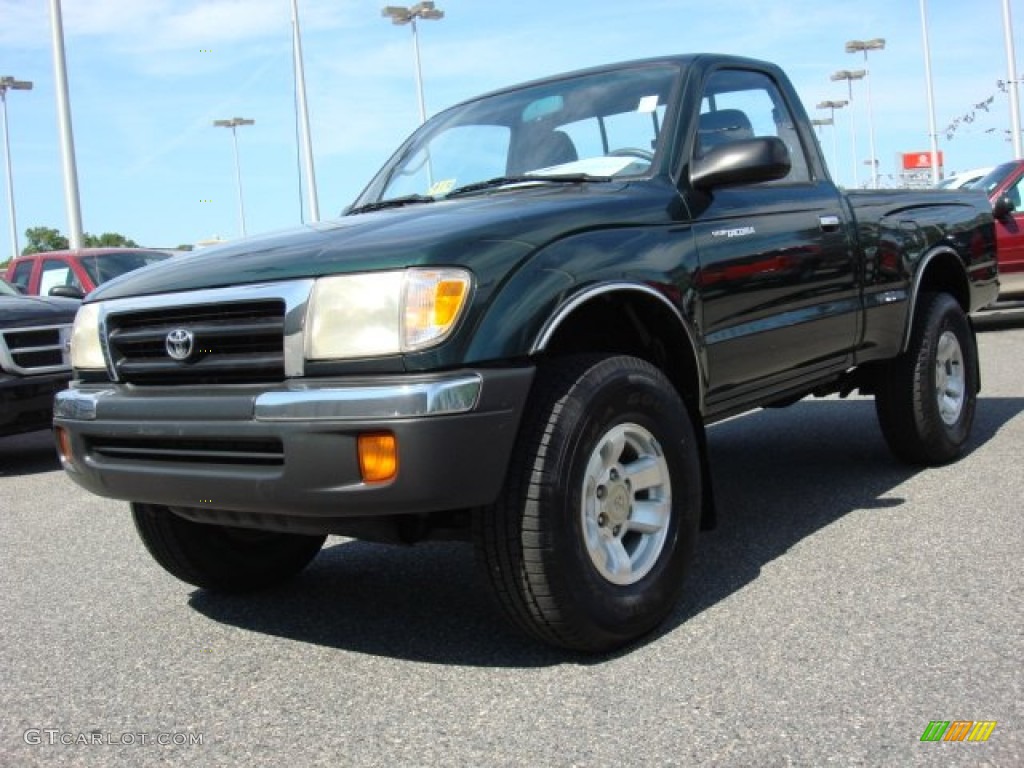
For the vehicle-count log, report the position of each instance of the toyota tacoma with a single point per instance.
(517, 335)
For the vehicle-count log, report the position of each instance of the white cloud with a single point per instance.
(160, 25)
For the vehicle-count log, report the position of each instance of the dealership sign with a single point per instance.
(919, 161)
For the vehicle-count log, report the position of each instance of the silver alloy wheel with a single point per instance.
(627, 504)
(950, 378)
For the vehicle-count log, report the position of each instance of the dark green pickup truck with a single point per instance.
(516, 336)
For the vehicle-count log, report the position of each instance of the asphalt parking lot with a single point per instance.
(844, 603)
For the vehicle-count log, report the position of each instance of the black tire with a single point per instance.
(925, 399)
(219, 557)
(535, 542)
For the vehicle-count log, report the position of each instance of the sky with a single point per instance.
(147, 78)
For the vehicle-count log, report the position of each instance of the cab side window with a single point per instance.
(22, 273)
(56, 272)
(740, 104)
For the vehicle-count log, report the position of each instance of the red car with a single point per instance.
(74, 273)
(1004, 185)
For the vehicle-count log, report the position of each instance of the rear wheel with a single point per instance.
(221, 557)
(926, 398)
(589, 544)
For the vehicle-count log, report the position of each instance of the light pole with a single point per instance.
(1011, 67)
(932, 133)
(849, 76)
(233, 124)
(855, 46)
(303, 108)
(8, 83)
(832, 106)
(72, 200)
(400, 15)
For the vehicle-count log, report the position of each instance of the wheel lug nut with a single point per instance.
(601, 519)
(616, 529)
(601, 491)
(614, 474)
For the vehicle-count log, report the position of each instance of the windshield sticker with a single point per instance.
(647, 104)
(441, 187)
(595, 166)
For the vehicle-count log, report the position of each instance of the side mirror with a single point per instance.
(1003, 207)
(67, 292)
(745, 161)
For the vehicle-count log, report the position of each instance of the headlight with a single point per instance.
(383, 313)
(86, 350)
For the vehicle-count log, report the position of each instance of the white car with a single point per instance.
(963, 179)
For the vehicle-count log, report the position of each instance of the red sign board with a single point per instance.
(919, 161)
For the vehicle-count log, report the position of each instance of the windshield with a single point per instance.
(598, 125)
(106, 266)
(994, 178)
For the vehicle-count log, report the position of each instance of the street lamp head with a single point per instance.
(400, 14)
(397, 14)
(832, 104)
(8, 83)
(875, 44)
(849, 74)
(426, 10)
(233, 122)
(822, 121)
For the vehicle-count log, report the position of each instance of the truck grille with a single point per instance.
(28, 351)
(216, 344)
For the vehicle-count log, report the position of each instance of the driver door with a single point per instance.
(779, 300)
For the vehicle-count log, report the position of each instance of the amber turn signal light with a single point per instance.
(378, 457)
(64, 445)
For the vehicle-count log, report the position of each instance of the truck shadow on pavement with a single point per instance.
(779, 477)
(28, 454)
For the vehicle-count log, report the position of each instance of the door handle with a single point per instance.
(829, 223)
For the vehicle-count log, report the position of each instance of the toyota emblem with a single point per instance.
(179, 343)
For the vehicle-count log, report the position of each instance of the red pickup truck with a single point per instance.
(1004, 186)
(74, 273)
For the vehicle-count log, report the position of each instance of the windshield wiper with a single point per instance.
(394, 202)
(501, 181)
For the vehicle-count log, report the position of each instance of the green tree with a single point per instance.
(42, 239)
(109, 240)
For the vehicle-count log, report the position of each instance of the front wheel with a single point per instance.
(588, 545)
(926, 398)
(222, 558)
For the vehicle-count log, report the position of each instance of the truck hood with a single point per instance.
(25, 311)
(473, 231)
